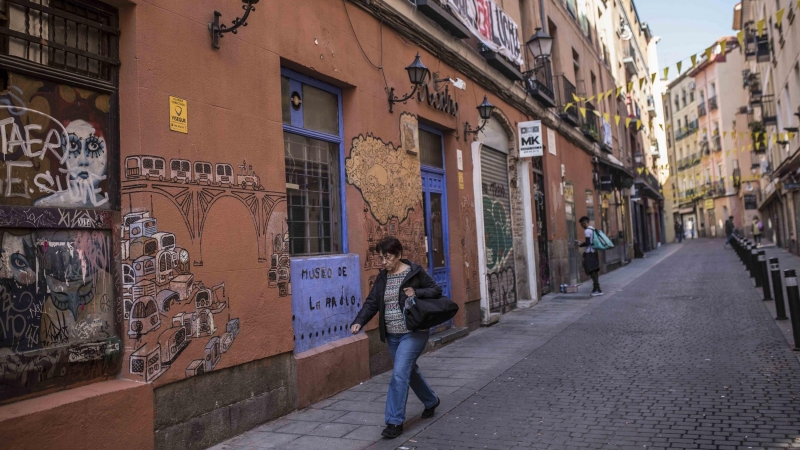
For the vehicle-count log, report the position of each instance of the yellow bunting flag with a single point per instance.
(583, 112)
(709, 51)
(619, 89)
(600, 97)
(679, 64)
(596, 112)
(630, 87)
(666, 72)
(779, 16)
(627, 122)
(740, 37)
(616, 120)
(724, 134)
(661, 125)
(641, 82)
(590, 99)
(760, 27)
(638, 125)
(608, 94)
(569, 105)
(791, 135)
(694, 60)
(722, 46)
(653, 77)
(575, 97)
(774, 139)
(606, 118)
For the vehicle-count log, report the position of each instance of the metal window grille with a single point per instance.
(78, 37)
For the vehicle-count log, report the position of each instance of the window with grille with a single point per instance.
(312, 139)
(76, 36)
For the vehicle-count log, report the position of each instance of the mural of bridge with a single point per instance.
(194, 201)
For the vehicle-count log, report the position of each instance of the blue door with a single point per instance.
(435, 209)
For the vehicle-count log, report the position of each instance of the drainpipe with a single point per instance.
(541, 14)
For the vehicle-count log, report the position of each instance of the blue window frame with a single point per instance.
(434, 198)
(314, 155)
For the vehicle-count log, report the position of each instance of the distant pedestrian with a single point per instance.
(591, 260)
(398, 281)
(758, 228)
(678, 230)
(729, 231)
(690, 226)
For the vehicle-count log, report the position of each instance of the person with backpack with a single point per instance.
(591, 260)
(393, 292)
(729, 231)
(757, 229)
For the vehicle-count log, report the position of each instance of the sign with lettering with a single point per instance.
(178, 115)
(326, 296)
(709, 203)
(530, 139)
(750, 201)
(491, 25)
(439, 100)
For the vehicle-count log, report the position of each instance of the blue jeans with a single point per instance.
(730, 238)
(405, 349)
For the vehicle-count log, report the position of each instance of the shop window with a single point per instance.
(590, 206)
(312, 148)
(430, 149)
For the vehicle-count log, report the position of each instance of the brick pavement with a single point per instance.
(682, 356)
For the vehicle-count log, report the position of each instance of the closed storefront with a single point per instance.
(500, 273)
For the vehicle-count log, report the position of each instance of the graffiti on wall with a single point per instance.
(499, 245)
(56, 145)
(167, 311)
(326, 298)
(56, 308)
(388, 177)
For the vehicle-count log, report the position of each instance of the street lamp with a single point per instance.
(217, 31)
(540, 44)
(485, 110)
(417, 74)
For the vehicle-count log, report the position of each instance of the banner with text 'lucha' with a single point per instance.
(491, 25)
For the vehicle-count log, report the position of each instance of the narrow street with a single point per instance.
(685, 356)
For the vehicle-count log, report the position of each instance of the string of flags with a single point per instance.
(693, 60)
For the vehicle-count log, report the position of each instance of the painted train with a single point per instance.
(155, 278)
(183, 171)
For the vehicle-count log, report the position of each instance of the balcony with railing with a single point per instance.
(716, 143)
(769, 114)
(651, 104)
(756, 46)
(712, 103)
(539, 82)
(704, 147)
(565, 91)
(590, 125)
(688, 130)
(701, 109)
(696, 158)
(629, 59)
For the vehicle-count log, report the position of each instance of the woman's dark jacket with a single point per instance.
(424, 286)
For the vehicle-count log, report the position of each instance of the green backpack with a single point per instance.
(600, 241)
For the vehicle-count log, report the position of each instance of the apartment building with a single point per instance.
(771, 79)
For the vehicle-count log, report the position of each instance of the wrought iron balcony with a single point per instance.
(712, 103)
(769, 115)
(716, 143)
(696, 158)
(539, 82)
(629, 59)
(756, 46)
(701, 110)
(590, 125)
(564, 96)
(704, 148)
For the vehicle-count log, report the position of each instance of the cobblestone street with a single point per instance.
(680, 353)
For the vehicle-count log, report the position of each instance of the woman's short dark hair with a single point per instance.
(389, 245)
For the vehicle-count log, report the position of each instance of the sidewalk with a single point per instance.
(353, 419)
(786, 261)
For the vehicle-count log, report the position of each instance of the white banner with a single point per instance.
(530, 139)
(490, 24)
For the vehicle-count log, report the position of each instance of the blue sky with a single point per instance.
(686, 26)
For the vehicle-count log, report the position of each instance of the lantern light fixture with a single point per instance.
(485, 110)
(540, 45)
(417, 75)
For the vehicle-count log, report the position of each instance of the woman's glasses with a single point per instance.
(386, 258)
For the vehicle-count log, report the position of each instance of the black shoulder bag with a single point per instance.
(421, 314)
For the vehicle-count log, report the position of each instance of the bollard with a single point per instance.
(755, 269)
(793, 296)
(747, 251)
(762, 271)
(775, 270)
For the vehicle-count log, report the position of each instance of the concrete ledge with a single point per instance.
(491, 320)
(439, 340)
(524, 304)
(78, 418)
(331, 368)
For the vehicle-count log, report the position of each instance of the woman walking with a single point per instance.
(399, 280)
(757, 229)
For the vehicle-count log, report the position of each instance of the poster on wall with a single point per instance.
(530, 139)
(491, 25)
(326, 296)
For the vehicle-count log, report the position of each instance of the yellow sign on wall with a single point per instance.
(460, 180)
(709, 203)
(178, 115)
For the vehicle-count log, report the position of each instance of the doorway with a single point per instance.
(572, 234)
(434, 198)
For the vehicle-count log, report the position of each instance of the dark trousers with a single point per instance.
(591, 264)
(730, 238)
(757, 238)
(595, 280)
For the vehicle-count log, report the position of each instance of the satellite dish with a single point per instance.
(625, 33)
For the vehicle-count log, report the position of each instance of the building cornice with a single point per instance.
(399, 14)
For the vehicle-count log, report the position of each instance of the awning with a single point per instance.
(686, 210)
(789, 165)
(772, 196)
(648, 190)
(614, 164)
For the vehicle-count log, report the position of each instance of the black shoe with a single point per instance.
(429, 412)
(392, 431)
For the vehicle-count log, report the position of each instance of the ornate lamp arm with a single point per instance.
(217, 30)
(393, 99)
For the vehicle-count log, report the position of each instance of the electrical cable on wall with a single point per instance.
(379, 67)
